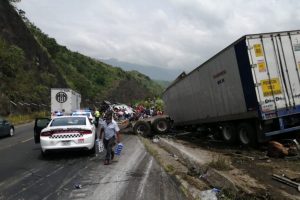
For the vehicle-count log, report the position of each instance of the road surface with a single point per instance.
(25, 174)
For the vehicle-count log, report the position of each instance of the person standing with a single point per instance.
(97, 117)
(111, 132)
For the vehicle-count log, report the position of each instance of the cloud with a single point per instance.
(172, 34)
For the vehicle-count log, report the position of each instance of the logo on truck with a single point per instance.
(61, 97)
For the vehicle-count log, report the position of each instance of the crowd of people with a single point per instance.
(133, 112)
(142, 112)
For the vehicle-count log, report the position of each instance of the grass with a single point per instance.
(22, 119)
(151, 149)
(170, 168)
(220, 163)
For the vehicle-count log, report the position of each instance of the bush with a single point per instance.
(22, 119)
(221, 163)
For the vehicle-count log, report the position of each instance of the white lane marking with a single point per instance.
(42, 178)
(26, 140)
(140, 190)
(18, 142)
(113, 180)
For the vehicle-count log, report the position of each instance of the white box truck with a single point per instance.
(250, 90)
(64, 100)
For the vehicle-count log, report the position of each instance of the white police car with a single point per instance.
(66, 132)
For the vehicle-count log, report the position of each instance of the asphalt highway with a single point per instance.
(25, 174)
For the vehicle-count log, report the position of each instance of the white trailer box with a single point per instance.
(253, 83)
(64, 100)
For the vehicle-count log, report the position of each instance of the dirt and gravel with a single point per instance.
(251, 163)
(249, 169)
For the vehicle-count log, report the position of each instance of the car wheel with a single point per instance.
(161, 125)
(142, 128)
(11, 131)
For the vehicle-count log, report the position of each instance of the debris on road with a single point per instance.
(175, 157)
(243, 156)
(155, 139)
(209, 194)
(78, 186)
(286, 181)
(250, 167)
(277, 150)
(287, 147)
(192, 171)
(264, 158)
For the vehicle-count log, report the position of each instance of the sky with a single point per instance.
(172, 34)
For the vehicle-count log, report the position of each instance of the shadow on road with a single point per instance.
(65, 155)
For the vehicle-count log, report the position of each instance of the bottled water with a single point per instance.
(118, 149)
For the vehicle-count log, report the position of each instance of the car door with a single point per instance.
(2, 132)
(6, 127)
(39, 125)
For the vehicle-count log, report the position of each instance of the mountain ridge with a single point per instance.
(31, 63)
(154, 72)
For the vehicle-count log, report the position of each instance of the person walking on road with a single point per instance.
(111, 134)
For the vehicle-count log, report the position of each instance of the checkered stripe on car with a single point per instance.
(65, 136)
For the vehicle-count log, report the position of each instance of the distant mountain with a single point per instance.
(163, 84)
(155, 73)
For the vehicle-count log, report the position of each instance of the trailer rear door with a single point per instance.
(275, 61)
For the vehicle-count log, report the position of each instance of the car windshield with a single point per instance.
(69, 121)
(81, 113)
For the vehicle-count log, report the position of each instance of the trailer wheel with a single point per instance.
(142, 128)
(246, 134)
(229, 133)
(161, 125)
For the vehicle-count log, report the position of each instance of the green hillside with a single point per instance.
(34, 63)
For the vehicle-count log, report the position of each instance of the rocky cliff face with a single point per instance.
(24, 84)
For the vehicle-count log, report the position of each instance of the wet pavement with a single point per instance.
(25, 174)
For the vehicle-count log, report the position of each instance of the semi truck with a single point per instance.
(248, 92)
(64, 100)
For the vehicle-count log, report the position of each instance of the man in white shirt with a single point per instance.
(111, 130)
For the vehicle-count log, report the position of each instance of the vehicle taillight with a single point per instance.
(84, 132)
(46, 133)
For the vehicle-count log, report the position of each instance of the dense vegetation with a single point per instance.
(92, 78)
(31, 63)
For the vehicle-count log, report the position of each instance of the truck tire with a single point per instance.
(247, 134)
(161, 125)
(142, 128)
(229, 133)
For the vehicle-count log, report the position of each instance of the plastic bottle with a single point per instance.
(209, 194)
(118, 149)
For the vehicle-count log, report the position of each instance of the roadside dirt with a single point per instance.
(253, 163)
(190, 185)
